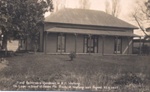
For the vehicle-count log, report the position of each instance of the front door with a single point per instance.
(91, 45)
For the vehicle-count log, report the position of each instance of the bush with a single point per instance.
(72, 55)
(128, 78)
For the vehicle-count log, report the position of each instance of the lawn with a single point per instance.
(124, 73)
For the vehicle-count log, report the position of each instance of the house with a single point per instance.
(85, 31)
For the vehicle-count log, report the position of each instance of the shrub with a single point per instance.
(72, 55)
(128, 78)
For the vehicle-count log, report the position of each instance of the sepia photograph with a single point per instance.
(75, 45)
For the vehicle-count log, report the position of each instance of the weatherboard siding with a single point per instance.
(80, 43)
(125, 46)
(51, 43)
(70, 43)
(105, 45)
(131, 46)
(109, 45)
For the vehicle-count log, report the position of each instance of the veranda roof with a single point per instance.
(90, 32)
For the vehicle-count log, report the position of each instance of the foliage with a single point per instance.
(139, 15)
(113, 7)
(84, 4)
(58, 4)
(147, 4)
(72, 55)
(129, 78)
(20, 18)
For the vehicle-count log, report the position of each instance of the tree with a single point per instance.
(147, 4)
(58, 4)
(107, 7)
(20, 18)
(84, 4)
(113, 7)
(140, 14)
(147, 12)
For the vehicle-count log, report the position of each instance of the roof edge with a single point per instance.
(92, 25)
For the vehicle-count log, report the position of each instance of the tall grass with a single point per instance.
(128, 73)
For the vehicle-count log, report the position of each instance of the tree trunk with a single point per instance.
(35, 47)
(4, 44)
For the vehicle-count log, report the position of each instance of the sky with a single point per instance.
(126, 6)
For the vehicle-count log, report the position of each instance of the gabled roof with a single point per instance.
(87, 17)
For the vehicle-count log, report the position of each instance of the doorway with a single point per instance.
(91, 44)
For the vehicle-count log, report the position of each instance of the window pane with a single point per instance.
(85, 44)
(117, 45)
(92, 42)
(61, 43)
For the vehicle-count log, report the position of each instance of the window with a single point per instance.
(118, 46)
(61, 43)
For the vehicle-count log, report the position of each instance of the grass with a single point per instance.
(129, 73)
